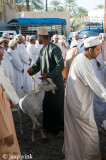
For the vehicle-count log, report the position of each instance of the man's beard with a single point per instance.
(6, 47)
(40, 42)
(93, 56)
(19, 42)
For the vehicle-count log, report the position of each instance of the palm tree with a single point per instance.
(78, 18)
(81, 12)
(27, 5)
(37, 4)
(100, 6)
(46, 5)
(71, 6)
(55, 5)
(61, 8)
(1, 6)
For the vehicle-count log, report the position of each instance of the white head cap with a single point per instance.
(55, 36)
(75, 34)
(73, 44)
(12, 43)
(27, 36)
(5, 35)
(32, 37)
(91, 42)
(3, 39)
(23, 37)
(19, 36)
(103, 35)
(62, 41)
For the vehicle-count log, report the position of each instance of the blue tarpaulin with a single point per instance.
(48, 21)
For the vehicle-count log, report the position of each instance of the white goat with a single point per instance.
(31, 104)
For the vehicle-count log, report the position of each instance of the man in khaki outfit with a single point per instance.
(9, 148)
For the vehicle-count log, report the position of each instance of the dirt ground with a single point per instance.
(50, 149)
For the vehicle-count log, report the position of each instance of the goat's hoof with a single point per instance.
(33, 140)
(44, 137)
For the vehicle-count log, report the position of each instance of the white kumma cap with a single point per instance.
(91, 42)
(12, 43)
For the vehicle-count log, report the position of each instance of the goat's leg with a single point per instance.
(20, 119)
(39, 126)
(36, 127)
(33, 139)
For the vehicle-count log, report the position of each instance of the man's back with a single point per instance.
(78, 95)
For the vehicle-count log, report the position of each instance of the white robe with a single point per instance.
(71, 54)
(34, 54)
(79, 42)
(17, 67)
(37, 75)
(104, 73)
(99, 106)
(9, 90)
(38, 47)
(24, 56)
(64, 52)
(81, 140)
(81, 50)
(8, 68)
(6, 120)
(103, 50)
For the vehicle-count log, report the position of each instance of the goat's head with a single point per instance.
(48, 85)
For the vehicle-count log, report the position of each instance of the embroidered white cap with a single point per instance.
(12, 43)
(42, 31)
(91, 42)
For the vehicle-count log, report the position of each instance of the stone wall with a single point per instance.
(63, 15)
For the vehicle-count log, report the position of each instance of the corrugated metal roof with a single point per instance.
(23, 21)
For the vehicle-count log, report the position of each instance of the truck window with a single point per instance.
(1, 34)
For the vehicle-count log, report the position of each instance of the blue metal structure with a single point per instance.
(37, 21)
(94, 26)
(30, 25)
(89, 33)
(92, 29)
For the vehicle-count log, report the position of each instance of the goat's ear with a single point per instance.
(53, 91)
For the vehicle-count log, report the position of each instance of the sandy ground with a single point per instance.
(50, 149)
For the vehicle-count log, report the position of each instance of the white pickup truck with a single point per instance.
(11, 32)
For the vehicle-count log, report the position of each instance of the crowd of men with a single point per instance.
(75, 112)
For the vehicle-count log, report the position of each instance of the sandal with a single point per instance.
(60, 134)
